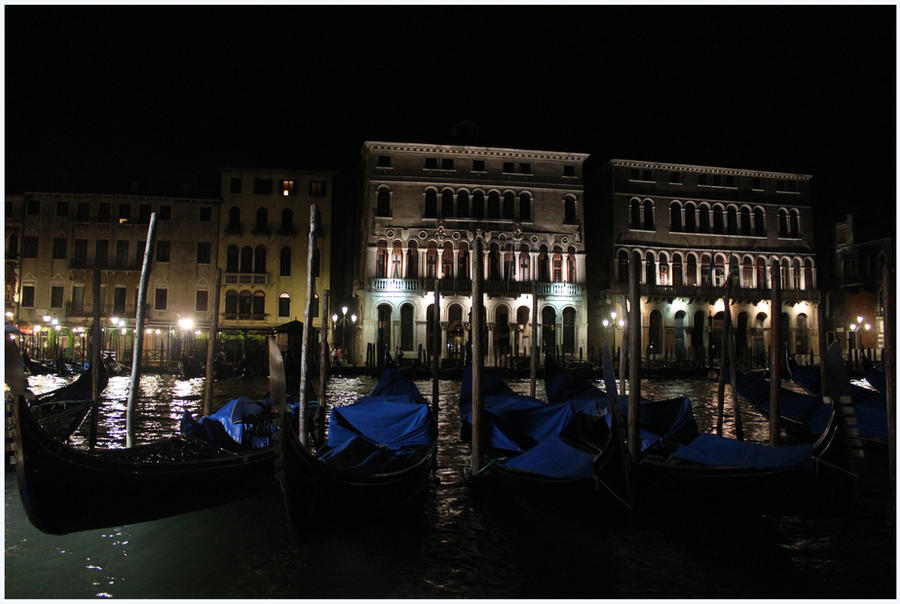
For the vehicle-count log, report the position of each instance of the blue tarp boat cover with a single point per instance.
(378, 431)
(555, 458)
(810, 378)
(225, 427)
(712, 450)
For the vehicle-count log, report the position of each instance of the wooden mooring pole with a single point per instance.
(324, 359)
(775, 359)
(211, 347)
(477, 357)
(96, 358)
(634, 345)
(887, 292)
(134, 389)
(723, 346)
(437, 346)
(307, 328)
(623, 349)
(534, 346)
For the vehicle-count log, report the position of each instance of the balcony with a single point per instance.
(233, 229)
(287, 230)
(238, 316)
(246, 278)
(464, 287)
(261, 229)
(712, 293)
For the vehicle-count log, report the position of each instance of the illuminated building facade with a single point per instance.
(691, 226)
(422, 205)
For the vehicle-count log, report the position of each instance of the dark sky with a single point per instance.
(115, 94)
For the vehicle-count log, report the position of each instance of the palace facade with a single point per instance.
(422, 206)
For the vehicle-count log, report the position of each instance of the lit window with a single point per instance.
(317, 188)
(287, 188)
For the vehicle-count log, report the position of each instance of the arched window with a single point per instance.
(718, 220)
(284, 304)
(259, 259)
(623, 266)
(494, 262)
(782, 223)
(412, 261)
(690, 217)
(747, 273)
(703, 212)
(732, 220)
(719, 270)
(12, 250)
(462, 204)
(785, 282)
(759, 222)
(447, 203)
(746, 227)
(524, 263)
(381, 260)
(431, 261)
(285, 262)
(801, 345)
(699, 329)
(557, 264)
(795, 223)
(663, 270)
(287, 221)
(796, 273)
(478, 205)
(396, 261)
(655, 344)
(493, 205)
(650, 269)
(677, 272)
(525, 207)
(447, 261)
(678, 334)
(509, 263)
(570, 266)
(231, 302)
(761, 280)
(262, 219)
(675, 217)
(430, 203)
(548, 329)
(690, 277)
(383, 334)
(259, 305)
(740, 335)
(808, 274)
(406, 326)
(569, 330)
(462, 261)
(429, 330)
(246, 259)
(501, 330)
(635, 211)
(648, 215)
(383, 202)
(509, 206)
(543, 265)
(569, 216)
(232, 255)
(705, 270)
(234, 218)
(245, 303)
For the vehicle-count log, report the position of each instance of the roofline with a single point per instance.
(473, 150)
(276, 170)
(634, 163)
(122, 195)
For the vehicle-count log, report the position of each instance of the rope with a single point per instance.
(613, 493)
(834, 467)
(485, 467)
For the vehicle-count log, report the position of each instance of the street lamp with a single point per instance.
(342, 322)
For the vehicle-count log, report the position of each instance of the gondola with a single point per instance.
(875, 376)
(61, 411)
(715, 474)
(189, 368)
(64, 489)
(374, 464)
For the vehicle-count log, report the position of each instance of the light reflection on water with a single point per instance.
(244, 549)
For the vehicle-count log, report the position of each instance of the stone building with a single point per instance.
(65, 236)
(691, 226)
(422, 205)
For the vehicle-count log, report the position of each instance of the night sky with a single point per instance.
(111, 95)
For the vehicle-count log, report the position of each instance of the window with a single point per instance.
(757, 183)
(431, 163)
(162, 297)
(447, 203)
(795, 223)
(259, 305)
(202, 300)
(381, 260)
(59, 248)
(12, 250)
(231, 259)
(569, 170)
(635, 174)
(262, 186)
(524, 168)
(101, 252)
(79, 256)
(231, 302)
(634, 214)
(317, 188)
(675, 178)
(525, 207)
(509, 167)
(29, 247)
(493, 205)
(732, 220)
(205, 214)
(162, 251)
(104, 211)
(675, 217)
(717, 180)
(396, 261)
(287, 188)
(478, 205)
(569, 330)
(83, 210)
(236, 184)
(143, 213)
(746, 227)
(729, 181)
(412, 261)
(383, 201)
(203, 252)
(284, 304)
(124, 212)
(28, 296)
(234, 219)
(782, 223)
(62, 209)
(287, 221)
(462, 204)
(121, 254)
(165, 212)
(430, 262)
(406, 327)
(477, 165)
(119, 300)
(384, 161)
(648, 215)
(285, 262)
(78, 297)
(430, 203)
(704, 179)
(56, 296)
(34, 207)
(259, 261)
(647, 175)
(509, 206)
(446, 164)
(262, 219)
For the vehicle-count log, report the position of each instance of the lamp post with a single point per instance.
(342, 322)
(860, 327)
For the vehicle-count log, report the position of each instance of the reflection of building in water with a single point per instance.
(691, 226)
(421, 207)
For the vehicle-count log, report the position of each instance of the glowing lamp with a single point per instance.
(605, 323)
(353, 317)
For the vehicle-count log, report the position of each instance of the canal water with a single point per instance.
(459, 548)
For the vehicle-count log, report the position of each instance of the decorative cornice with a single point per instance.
(474, 151)
(631, 163)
